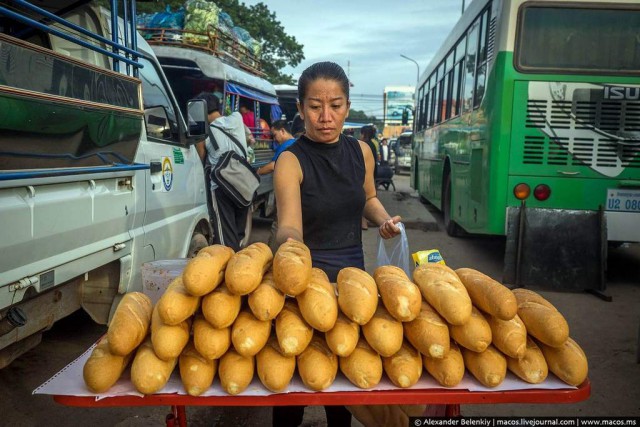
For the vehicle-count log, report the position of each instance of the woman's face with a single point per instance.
(324, 110)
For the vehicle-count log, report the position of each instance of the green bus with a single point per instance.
(536, 104)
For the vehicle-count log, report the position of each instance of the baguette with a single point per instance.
(404, 368)
(130, 323)
(318, 303)
(475, 334)
(196, 371)
(442, 289)
(568, 362)
(275, 370)
(292, 267)
(103, 368)
(210, 342)
(267, 300)
(317, 365)
(357, 294)
(509, 336)
(205, 272)
(343, 337)
(489, 366)
(176, 305)
(449, 370)
(542, 320)
(399, 294)
(428, 332)
(293, 332)
(383, 332)
(249, 334)
(531, 367)
(235, 372)
(148, 372)
(363, 367)
(246, 268)
(221, 307)
(168, 340)
(488, 295)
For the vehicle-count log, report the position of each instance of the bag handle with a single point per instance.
(232, 138)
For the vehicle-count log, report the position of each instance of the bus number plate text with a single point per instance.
(623, 200)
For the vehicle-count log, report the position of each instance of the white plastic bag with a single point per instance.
(400, 256)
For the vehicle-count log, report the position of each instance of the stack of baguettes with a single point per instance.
(235, 314)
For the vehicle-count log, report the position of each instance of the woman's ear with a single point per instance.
(299, 107)
(348, 108)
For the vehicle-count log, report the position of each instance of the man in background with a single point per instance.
(283, 137)
(228, 220)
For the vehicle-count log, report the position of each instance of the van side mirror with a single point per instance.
(197, 118)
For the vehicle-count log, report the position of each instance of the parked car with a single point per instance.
(402, 149)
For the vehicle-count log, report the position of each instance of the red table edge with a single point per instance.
(378, 397)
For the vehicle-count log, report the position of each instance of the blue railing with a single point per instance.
(130, 30)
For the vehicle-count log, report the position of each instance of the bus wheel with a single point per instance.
(450, 225)
(198, 241)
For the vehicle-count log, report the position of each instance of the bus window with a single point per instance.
(470, 67)
(482, 62)
(570, 38)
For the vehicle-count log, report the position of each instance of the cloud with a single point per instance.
(366, 37)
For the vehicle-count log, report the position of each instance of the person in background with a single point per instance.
(384, 152)
(284, 139)
(366, 134)
(227, 219)
(265, 129)
(297, 126)
(324, 184)
(248, 118)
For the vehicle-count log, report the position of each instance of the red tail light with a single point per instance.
(521, 191)
(542, 192)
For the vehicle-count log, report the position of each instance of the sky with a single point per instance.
(367, 37)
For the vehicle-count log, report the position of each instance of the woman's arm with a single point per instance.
(373, 209)
(287, 179)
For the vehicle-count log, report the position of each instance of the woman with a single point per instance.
(324, 184)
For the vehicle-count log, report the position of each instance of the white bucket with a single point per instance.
(157, 275)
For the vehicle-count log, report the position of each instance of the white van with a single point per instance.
(98, 173)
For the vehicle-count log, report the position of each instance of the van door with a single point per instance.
(174, 184)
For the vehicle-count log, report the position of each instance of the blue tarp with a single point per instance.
(276, 113)
(250, 93)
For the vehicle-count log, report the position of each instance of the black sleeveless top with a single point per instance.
(332, 192)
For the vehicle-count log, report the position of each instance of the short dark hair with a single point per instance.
(213, 102)
(322, 70)
(367, 132)
(279, 125)
(297, 125)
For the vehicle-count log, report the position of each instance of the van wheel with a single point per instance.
(198, 241)
(450, 225)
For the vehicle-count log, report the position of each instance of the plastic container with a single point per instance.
(156, 276)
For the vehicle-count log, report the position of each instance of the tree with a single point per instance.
(278, 48)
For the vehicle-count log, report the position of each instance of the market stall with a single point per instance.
(256, 329)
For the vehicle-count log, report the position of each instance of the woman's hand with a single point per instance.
(389, 229)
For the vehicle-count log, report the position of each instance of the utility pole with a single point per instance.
(462, 7)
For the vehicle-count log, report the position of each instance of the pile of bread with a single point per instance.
(234, 314)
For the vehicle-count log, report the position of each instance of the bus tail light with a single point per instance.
(521, 191)
(542, 192)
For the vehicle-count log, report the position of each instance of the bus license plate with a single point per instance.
(623, 200)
